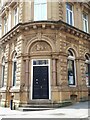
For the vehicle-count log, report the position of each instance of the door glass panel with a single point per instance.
(40, 62)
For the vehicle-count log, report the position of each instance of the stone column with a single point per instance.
(63, 81)
(82, 79)
(77, 71)
(78, 78)
(27, 77)
(27, 73)
(54, 72)
(9, 81)
(54, 69)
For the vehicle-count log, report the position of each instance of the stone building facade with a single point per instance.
(44, 57)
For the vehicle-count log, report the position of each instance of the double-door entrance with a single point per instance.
(40, 79)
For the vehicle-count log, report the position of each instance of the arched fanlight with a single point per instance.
(70, 53)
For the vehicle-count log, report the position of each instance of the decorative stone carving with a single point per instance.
(51, 36)
(40, 46)
(39, 35)
(21, 12)
(60, 11)
(70, 39)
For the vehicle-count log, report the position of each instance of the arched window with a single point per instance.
(87, 69)
(71, 68)
(3, 71)
(14, 66)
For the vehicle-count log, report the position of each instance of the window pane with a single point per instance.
(40, 10)
(67, 17)
(3, 74)
(70, 53)
(36, 1)
(70, 18)
(15, 16)
(69, 6)
(87, 57)
(40, 62)
(43, 12)
(89, 74)
(69, 14)
(14, 73)
(85, 22)
(84, 16)
(71, 73)
(39, 1)
(43, 1)
(37, 14)
(86, 26)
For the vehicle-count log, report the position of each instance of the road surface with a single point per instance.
(78, 110)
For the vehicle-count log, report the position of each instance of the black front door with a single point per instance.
(40, 82)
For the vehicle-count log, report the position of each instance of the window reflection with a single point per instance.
(71, 68)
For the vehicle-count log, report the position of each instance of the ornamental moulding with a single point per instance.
(53, 25)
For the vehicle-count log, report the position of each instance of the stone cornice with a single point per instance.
(53, 25)
(85, 5)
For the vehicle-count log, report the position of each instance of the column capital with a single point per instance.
(55, 55)
(26, 56)
(63, 54)
(10, 61)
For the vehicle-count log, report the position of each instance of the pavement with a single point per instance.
(78, 110)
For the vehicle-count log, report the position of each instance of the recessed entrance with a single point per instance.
(40, 79)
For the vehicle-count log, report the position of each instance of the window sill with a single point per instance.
(3, 89)
(72, 85)
(15, 89)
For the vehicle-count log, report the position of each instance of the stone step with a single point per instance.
(40, 106)
(33, 109)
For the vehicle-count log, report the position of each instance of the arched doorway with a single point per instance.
(40, 55)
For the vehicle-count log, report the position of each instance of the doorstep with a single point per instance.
(33, 109)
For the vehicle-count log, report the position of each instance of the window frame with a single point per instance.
(16, 17)
(47, 64)
(85, 20)
(5, 25)
(14, 64)
(39, 4)
(3, 72)
(69, 11)
(72, 58)
(87, 62)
